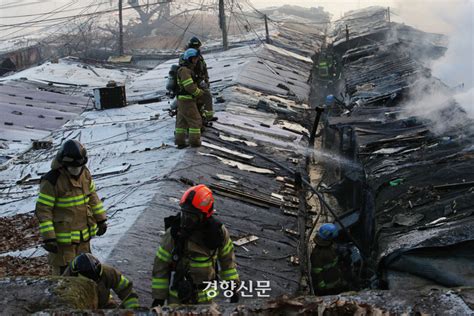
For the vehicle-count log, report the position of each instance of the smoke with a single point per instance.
(455, 68)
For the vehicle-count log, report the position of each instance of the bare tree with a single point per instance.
(82, 39)
(146, 11)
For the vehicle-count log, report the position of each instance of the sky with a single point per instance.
(428, 15)
(423, 14)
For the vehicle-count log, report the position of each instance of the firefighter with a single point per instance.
(188, 118)
(68, 209)
(193, 244)
(323, 66)
(202, 78)
(326, 271)
(107, 278)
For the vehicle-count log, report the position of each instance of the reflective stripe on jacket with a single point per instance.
(113, 279)
(325, 267)
(188, 89)
(68, 209)
(200, 262)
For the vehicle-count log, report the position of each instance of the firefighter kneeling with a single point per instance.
(327, 263)
(187, 258)
(107, 278)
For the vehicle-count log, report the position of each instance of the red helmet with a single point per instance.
(198, 198)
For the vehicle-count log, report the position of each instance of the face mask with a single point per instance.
(189, 220)
(75, 171)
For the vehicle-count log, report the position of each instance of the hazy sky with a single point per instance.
(428, 15)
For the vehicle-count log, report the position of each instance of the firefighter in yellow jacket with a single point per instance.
(188, 119)
(107, 278)
(68, 209)
(204, 103)
(187, 258)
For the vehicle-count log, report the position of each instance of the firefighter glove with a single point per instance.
(204, 85)
(51, 245)
(157, 302)
(101, 228)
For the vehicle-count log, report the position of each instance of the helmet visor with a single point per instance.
(71, 162)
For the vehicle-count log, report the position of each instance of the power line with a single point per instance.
(51, 13)
(45, 28)
(45, 13)
(260, 58)
(81, 15)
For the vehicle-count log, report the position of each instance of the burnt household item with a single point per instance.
(109, 97)
(42, 144)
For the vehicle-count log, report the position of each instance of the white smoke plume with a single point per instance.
(455, 68)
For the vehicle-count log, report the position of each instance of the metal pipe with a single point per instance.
(319, 110)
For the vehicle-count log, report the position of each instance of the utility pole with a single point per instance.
(266, 29)
(223, 25)
(120, 29)
(388, 14)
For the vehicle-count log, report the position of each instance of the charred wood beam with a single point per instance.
(302, 247)
(454, 185)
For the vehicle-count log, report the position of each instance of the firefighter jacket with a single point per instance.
(326, 272)
(67, 207)
(188, 87)
(112, 279)
(199, 263)
(201, 70)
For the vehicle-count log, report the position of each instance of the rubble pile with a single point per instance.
(414, 189)
(18, 232)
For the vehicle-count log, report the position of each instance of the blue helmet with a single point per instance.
(190, 52)
(328, 231)
(181, 60)
(330, 99)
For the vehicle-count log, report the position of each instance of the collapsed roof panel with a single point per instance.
(261, 67)
(141, 175)
(415, 190)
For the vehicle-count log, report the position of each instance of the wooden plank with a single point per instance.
(245, 240)
(227, 151)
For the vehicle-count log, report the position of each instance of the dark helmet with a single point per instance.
(87, 265)
(72, 154)
(194, 42)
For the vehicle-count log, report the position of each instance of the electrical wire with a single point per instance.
(51, 13)
(44, 13)
(81, 15)
(191, 21)
(260, 58)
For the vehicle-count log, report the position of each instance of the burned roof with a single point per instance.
(414, 190)
(260, 93)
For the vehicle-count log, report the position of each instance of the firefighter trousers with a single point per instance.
(66, 253)
(188, 120)
(204, 103)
